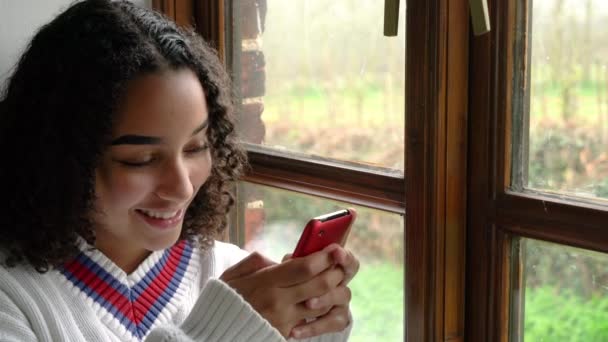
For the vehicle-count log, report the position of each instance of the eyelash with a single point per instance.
(136, 164)
(196, 150)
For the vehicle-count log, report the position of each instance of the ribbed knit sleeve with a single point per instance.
(14, 326)
(220, 314)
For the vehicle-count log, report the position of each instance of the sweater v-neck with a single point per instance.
(133, 303)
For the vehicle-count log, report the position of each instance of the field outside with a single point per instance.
(569, 98)
(335, 87)
(566, 294)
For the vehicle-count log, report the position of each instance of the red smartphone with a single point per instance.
(324, 230)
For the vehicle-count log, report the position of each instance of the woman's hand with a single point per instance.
(335, 303)
(279, 292)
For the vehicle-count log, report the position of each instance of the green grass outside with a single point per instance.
(314, 107)
(362, 127)
(551, 315)
(548, 102)
(369, 106)
(377, 303)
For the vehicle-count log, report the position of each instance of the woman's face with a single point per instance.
(157, 161)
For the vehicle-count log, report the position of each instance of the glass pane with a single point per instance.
(319, 77)
(565, 293)
(569, 98)
(273, 220)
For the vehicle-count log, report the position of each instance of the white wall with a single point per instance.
(20, 19)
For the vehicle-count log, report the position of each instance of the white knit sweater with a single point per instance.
(174, 295)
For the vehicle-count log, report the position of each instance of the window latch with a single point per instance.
(480, 16)
(391, 17)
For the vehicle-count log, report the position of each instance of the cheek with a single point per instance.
(121, 189)
(200, 173)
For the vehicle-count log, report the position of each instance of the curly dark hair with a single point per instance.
(56, 116)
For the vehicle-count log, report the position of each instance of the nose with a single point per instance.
(175, 184)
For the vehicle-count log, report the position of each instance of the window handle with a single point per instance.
(391, 17)
(480, 16)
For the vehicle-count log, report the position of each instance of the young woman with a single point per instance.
(119, 150)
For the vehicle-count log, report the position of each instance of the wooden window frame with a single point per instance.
(496, 212)
(436, 156)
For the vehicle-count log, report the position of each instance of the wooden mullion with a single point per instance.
(209, 18)
(506, 271)
(422, 72)
(456, 171)
(554, 212)
(221, 25)
(437, 143)
(570, 225)
(501, 281)
(517, 290)
(436, 169)
(230, 30)
(184, 12)
(482, 179)
(520, 98)
(498, 278)
(167, 7)
(329, 181)
(180, 11)
(503, 54)
(332, 193)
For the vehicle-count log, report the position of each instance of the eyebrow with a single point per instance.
(134, 139)
(201, 127)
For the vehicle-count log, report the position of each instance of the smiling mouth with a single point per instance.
(165, 215)
(161, 219)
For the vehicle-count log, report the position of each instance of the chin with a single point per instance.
(158, 243)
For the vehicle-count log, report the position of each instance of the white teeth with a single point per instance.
(159, 215)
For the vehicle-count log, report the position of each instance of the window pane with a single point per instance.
(569, 97)
(565, 293)
(273, 220)
(319, 77)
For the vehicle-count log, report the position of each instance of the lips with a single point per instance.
(160, 214)
(161, 219)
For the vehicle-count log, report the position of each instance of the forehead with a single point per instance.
(162, 104)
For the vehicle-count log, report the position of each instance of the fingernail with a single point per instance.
(298, 333)
(330, 248)
(313, 303)
(337, 256)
